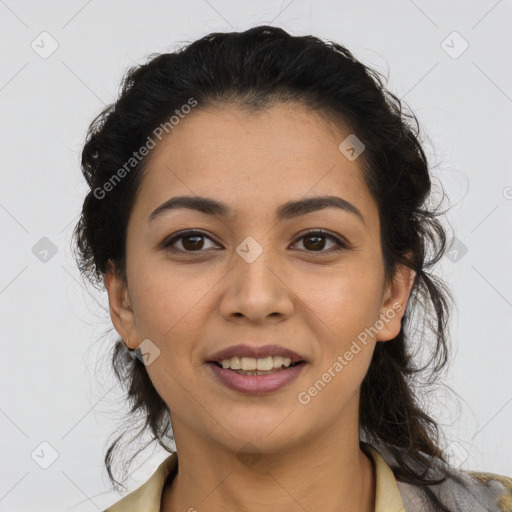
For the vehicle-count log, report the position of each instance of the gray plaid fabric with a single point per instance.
(483, 492)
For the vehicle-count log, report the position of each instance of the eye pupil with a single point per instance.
(314, 245)
(194, 245)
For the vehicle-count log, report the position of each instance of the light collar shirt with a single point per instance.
(488, 492)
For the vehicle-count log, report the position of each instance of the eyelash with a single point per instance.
(340, 244)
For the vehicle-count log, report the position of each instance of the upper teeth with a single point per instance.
(251, 363)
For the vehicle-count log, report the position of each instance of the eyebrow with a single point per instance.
(288, 210)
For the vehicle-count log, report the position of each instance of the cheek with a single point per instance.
(167, 299)
(168, 310)
(346, 303)
(171, 309)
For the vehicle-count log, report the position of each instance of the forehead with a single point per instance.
(251, 160)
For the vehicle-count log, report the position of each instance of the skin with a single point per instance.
(297, 293)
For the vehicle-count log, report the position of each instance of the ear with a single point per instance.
(120, 306)
(395, 298)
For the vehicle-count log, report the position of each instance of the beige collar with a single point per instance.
(148, 496)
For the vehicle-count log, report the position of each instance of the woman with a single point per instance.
(258, 213)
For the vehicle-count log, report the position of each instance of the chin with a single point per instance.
(269, 436)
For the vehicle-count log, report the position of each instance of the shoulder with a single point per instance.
(469, 491)
(502, 486)
(460, 489)
(147, 497)
(474, 490)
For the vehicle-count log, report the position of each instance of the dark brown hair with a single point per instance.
(255, 69)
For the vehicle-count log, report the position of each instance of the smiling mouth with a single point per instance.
(259, 372)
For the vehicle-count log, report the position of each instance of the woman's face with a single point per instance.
(251, 277)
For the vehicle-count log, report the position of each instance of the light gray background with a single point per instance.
(55, 332)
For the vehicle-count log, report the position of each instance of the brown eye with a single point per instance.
(194, 242)
(191, 241)
(315, 241)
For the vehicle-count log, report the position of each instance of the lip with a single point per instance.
(244, 350)
(256, 384)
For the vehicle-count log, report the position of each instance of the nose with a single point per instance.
(257, 289)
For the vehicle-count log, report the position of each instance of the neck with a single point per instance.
(320, 476)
